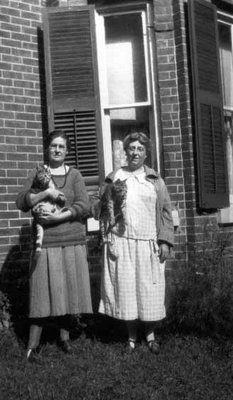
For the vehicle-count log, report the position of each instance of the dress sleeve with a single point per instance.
(23, 202)
(80, 206)
(166, 231)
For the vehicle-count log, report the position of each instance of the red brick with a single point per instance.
(4, 241)
(22, 68)
(26, 149)
(8, 164)
(2, 156)
(32, 93)
(36, 157)
(3, 206)
(31, 16)
(24, 84)
(17, 156)
(27, 165)
(14, 107)
(15, 124)
(8, 181)
(9, 214)
(8, 148)
(19, 222)
(31, 46)
(4, 223)
(11, 205)
(12, 173)
(15, 140)
(25, 116)
(25, 132)
(170, 83)
(33, 125)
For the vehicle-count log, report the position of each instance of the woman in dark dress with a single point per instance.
(59, 282)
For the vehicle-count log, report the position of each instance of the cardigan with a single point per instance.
(67, 233)
(164, 220)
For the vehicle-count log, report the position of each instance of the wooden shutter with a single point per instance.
(72, 85)
(208, 106)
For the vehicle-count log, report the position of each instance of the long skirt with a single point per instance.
(133, 281)
(59, 282)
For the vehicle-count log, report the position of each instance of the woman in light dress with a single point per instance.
(133, 281)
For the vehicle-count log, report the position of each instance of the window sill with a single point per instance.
(225, 216)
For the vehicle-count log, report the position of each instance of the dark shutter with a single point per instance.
(72, 85)
(208, 106)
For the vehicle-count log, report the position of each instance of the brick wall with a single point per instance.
(22, 114)
(198, 225)
(169, 103)
(21, 119)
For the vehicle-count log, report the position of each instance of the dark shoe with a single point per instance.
(65, 346)
(153, 347)
(131, 346)
(32, 355)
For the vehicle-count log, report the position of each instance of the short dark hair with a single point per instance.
(58, 133)
(137, 135)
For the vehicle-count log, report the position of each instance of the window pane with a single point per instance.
(126, 72)
(228, 120)
(226, 61)
(123, 122)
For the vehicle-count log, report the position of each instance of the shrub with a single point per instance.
(201, 292)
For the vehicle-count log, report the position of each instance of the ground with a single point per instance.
(188, 367)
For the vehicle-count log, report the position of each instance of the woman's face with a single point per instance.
(57, 151)
(136, 155)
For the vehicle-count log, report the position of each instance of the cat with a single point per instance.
(42, 181)
(113, 207)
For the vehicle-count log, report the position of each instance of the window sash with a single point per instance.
(145, 10)
(101, 46)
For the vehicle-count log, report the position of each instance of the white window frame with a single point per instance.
(145, 11)
(226, 214)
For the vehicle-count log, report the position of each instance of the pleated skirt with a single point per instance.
(60, 283)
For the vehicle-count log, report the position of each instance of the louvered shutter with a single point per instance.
(72, 85)
(209, 128)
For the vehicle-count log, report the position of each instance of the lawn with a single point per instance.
(188, 367)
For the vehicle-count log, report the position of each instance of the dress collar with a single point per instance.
(151, 174)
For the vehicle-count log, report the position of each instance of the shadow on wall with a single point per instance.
(14, 277)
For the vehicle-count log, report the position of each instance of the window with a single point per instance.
(99, 73)
(125, 61)
(225, 32)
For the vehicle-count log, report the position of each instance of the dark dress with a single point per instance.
(59, 282)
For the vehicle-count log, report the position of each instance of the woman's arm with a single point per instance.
(28, 198)
(80, 205)
(48, 218)
(166, 227)
(34, 198)
(23, 200)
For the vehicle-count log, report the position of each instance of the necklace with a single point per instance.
(65, 175)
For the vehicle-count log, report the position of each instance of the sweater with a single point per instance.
(72, 232)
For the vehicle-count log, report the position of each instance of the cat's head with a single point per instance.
(42, 178)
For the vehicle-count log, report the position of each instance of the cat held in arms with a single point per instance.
(42, 181)
(113, 204)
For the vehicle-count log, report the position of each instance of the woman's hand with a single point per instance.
(53, 194)
(49, 218)
(163, 252)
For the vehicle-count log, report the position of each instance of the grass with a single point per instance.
(188, 367)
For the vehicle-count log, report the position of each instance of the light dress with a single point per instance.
(133, 281)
